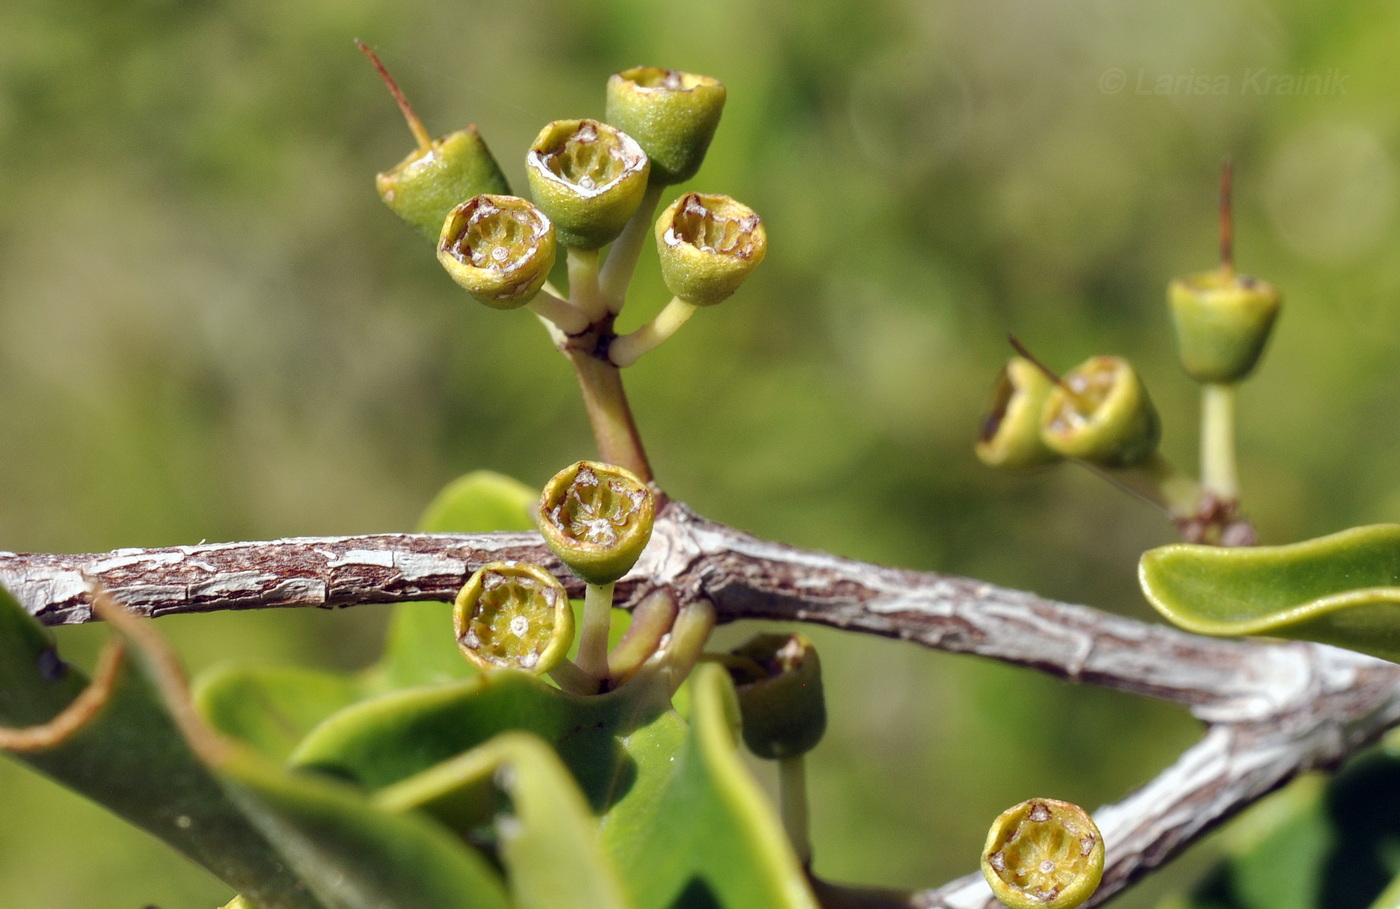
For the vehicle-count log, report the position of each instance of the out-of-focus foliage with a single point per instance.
(210, 328)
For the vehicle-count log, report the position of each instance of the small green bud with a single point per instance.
(514, 615)
(425, 186)
(778, 678)
(1011, 433)
(708, 245)
(589, 178)
(597, 518)
(500, 248)
(1100, 413)
(672, 115)
(1043, 854)
(1223, 320)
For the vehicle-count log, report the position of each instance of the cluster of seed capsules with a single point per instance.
(589, 179)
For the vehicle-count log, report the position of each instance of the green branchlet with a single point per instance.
(778, 678)
(513, 615)
(1100, 413)
(1223, 321)
(597, 518)
(1043, 854)
(423, 187)
(589, 178)
(1011, 436)
(499, 248)
(672, 115)
(708, 245)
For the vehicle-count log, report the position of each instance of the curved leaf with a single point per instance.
(352, 854)
(549, 844)
(1342, 589)
(702, 833)
(271, 707)
(130, 759)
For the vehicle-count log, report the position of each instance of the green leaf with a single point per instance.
(130, 759)
(702, 833)
(1313, 846)
(271, 707)
(680, 814)
(353, 854)
(421, 648)
(550, 846)
(1342, 589)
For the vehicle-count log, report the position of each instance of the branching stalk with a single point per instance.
(593, 636)
(623, 254)
(628, 348)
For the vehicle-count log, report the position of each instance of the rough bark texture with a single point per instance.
(1272, 710)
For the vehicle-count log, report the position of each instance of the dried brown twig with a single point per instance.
(1272, 710)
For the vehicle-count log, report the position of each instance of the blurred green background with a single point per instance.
(211, 329)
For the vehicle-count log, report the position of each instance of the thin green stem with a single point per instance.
(609, 413)
(792, 804)
(623, 254)
(1218, 472)
(583, 283)
(572, 679)
(651, 621)
(689, 633)
(597, 623)
(628, 348)
(567, 317)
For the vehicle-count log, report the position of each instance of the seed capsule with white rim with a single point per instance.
(708, 246)
(499, 248)
(672, 115)
(1011, 431)
(597, 518)
(1100, 413)
(589, 178)
(513, 615)
(1043, 854)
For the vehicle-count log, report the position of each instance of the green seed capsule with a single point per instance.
(597, 518)
(1043, 854)
(514, 615)
(1223, 320)
(672, 115)
(1011, 433)
(425, 186)
(708, 245)
(1100, 413)
(500, 248)
(589, 178)
(778, 678)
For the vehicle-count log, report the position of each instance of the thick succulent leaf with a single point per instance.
(1342, 589)
(698, 831)
(131, 759)
(272, 707)
(1315, 846)
(388, 739)
(548, 842)
(680, 814)
(421, 648)
(353, 854)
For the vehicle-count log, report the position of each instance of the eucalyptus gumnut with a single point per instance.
(513, 615)
(597, 518)
(589, 178)
(1043, 854)
(499, 248)
(1100, 413)
(778, 678)
(1011, 431)
(708, 246)
(672, 115)
(423, 187)
(1223, 321)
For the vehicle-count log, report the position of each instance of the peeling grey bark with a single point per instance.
(1272, 710)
